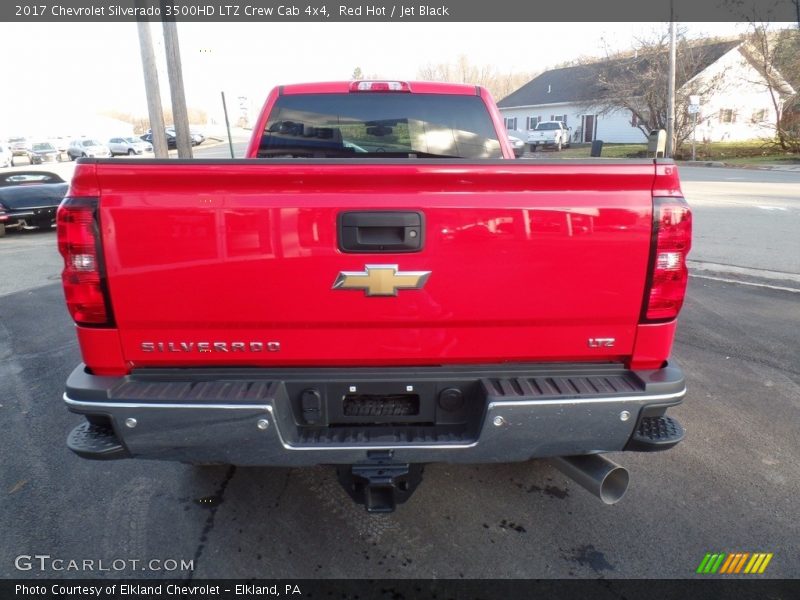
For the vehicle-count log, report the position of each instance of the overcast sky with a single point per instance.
(56, 70)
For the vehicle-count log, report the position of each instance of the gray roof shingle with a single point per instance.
(581, 83)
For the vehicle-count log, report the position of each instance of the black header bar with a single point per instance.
(288, 11)
(398, 589)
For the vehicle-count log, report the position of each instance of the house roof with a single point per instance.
(582, 82)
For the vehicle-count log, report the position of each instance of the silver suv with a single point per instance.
(128, 145)
(87, 147)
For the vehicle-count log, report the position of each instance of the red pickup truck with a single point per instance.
(377, 286)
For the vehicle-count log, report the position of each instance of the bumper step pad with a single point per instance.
(655, 433)
(95, 442)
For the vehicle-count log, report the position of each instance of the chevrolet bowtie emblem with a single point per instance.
(381, 280)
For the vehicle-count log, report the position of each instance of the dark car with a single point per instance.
(172, 141)
(42, 152)
(196, 137)
(29, 199)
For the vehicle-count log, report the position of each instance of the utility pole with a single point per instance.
(671, 86)
(152, 90)
(179, 112)
(797, 9)
(227, 123)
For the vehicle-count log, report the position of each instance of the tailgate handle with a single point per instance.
(381, 231)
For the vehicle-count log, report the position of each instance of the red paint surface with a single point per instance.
(528, 261)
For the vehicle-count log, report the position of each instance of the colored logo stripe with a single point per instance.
(735, 562)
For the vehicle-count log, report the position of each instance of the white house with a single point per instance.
(740, 107)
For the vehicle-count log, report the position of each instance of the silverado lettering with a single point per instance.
(435, 299)
(210, 346)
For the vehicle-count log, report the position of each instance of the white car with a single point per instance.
(517, 143)
(6, 158)
(553, 134)
(87, 147)
(128, 145)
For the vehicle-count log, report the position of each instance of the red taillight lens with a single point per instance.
(380, 86)
(82, 276)
(672, 220)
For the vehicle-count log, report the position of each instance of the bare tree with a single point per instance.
(636, 81)
(357, 74)
(766, 50)
(500, 84)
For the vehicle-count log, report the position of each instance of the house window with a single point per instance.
(562, 118)
(759, 116)
(727, 115)
(510, 123)
(532, 122)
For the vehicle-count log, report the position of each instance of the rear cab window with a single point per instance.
(379, 125)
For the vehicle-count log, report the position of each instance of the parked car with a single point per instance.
(19, 146)
(6, 158)
(129, 146)
(43, 152)
(87, 147)
(61, 143)
(29, 199)
(553, 134)
(172, 141)
(196, 137)
(517, 143)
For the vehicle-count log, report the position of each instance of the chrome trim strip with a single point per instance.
(510, 403)
(268, 408)
(84, 404)
(385, 447)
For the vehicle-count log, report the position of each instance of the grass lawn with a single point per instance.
(609, 151)
(736, 153)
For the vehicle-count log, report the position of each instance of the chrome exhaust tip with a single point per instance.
(602, 477)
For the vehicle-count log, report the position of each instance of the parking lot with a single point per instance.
(731, 486)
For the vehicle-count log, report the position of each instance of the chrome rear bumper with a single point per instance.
(259, 417)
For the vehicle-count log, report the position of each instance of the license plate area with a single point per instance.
(369, 406)
(381, 403)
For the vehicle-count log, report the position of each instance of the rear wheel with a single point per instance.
(131, 152)
(2, 229)
(558, 146)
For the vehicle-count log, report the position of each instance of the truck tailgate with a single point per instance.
(234, 262)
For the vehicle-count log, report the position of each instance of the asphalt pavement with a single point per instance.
(746, 218)
(731, 486)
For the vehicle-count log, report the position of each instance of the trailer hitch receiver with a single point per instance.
(379, 485)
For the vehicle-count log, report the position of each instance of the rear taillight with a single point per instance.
(83, 275)
(668, 275)
(380, 86)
